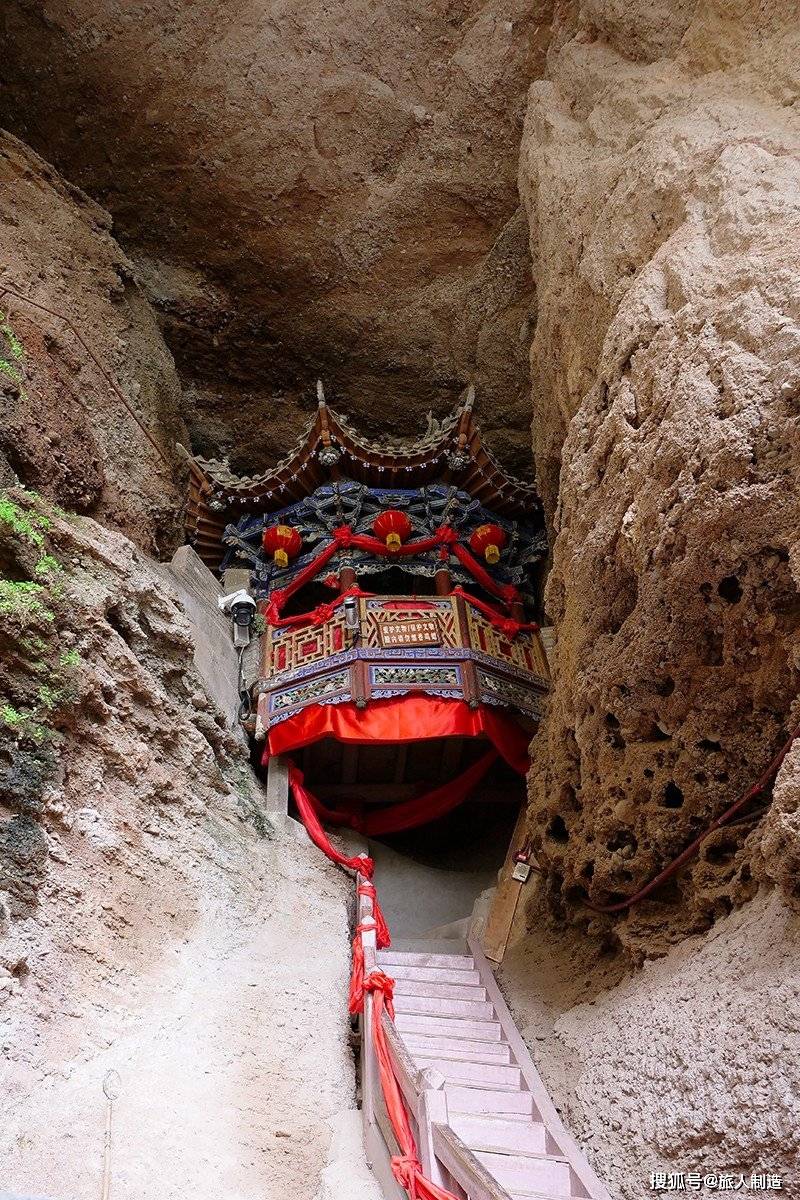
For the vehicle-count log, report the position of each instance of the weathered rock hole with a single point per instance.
(708, 744)
(666, 686)
(557, 830)
(673, 796)
(623, 839)
(657, 734)
(118, 623)
(10, 567)
(730, 589)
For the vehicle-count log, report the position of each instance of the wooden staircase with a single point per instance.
(485, 1126)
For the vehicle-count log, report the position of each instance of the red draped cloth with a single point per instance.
(410, 718)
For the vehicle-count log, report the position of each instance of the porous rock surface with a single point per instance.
(153, 921)
(307, 190)
(660, 171)
(63, 429)
(689, 1065)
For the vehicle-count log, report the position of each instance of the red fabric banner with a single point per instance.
(410, 718)
(408, 814)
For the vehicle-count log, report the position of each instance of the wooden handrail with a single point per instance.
(560, 1140)
(461, 1163)
(444, 1157)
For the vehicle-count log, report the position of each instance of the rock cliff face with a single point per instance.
(687, 1065)
(661, 179)
(338, 196)
(307, 191)
(150, 914)
(63, 429)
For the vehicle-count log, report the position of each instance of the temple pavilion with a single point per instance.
(400, 657)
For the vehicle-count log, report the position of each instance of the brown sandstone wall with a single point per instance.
(308, 189)
(63, 431)
(661, 178)
(691, 1064)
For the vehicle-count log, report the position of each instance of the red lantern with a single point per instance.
(282, 542)
(489, 540)
(392, 525)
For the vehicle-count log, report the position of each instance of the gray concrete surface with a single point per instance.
(214, 655)
(432, 876)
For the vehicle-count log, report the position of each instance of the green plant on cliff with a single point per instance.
(39, 675)
(23, 599)
(12, 355)
(28, 524)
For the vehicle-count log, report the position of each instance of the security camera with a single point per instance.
(242, 609)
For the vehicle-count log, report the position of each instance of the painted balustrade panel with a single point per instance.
(440, 646)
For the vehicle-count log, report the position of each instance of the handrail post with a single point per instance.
(369, 1066)
(432, 1111)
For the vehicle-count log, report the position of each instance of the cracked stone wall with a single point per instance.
(150, 912)
(63, 431)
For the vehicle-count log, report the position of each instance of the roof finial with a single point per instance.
(320, 394)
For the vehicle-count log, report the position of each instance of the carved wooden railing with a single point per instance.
(445, 646)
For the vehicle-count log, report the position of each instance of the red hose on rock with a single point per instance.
(694, 846)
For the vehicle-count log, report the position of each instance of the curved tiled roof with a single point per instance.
(451, 450)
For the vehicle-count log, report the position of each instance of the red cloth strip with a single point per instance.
(406, 1166)
(344, 536)
(410, 813)
(308, 816)
(504, 591)
(432, 805)
(317, 616)
(506, 625)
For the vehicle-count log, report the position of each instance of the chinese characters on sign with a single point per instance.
(423, 631)
(693, 1181)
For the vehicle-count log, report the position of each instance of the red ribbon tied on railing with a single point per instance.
(379, 986)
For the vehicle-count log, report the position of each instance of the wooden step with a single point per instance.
(472, 1010)
(471, 1074)
(430, 1026)
(455, 947)
(458, 1048)
(452, 962)
(491, 1134)
(435, 974)
(529, 1174)
(446, 991)
(512, 1106)
(532, 1196)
